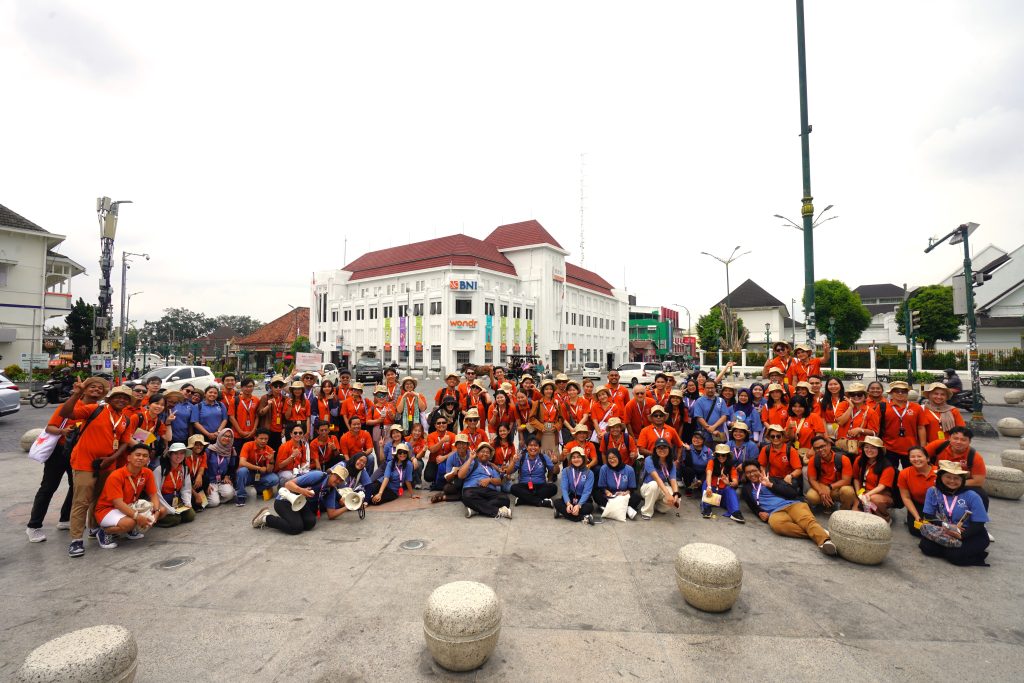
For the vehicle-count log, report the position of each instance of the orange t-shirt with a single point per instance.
(475, 437)
(599, 414)
(799, 372)
(589, 451)
(649, 436)
(321, 451)
(806, 429)
(97, 441)
(504, 454)
(247, 412)
(894, 443)
(65, 422)
(778, 414)
(173, 480)
(834, 409)
(446, 391)
(435, 437)
(627, 456)
(194, 464)
(296, 411)
(352, 443)
(865, 418)
(871, 479)
(724, 478)
(228, 399)
(357, 407)
(619, 395)
(574, 414)
(121, 484)
(780, 462)
(285, 452)
(977, 467)
(638, 414)
(276, 414)
(260, 457)
(916, 483)
(828, 475)
(930, 421)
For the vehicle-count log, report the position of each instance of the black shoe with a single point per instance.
(546, 503)
(737, 517)
(557, 514)
(76, 549)
(706, 515)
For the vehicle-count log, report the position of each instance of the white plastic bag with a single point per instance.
(42, 447)
(616, 508)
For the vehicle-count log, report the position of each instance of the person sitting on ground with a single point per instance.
(195, 461)
(956, 519)
(321, 492)
(325, 451)
(219, 456)
(914, 483)
(397, 478)
(957, 448)
(660, 489)
(721, 479)
(175, 487)
(694, 459)
(533, 487)
(116, 509)
(779, 458)
(577, 487)
(440, 444)
(357, 441)
(581, 439)
(616, 437)
(616, 479)
(256, 465)
(829, 477)
(293, 455)
(874, 478)
(449, 472)
(777, 503)
(481, 492)
(358, 478)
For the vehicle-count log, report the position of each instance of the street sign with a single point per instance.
(959, 295)
(308, 361)
(38, 360)
(101, 362)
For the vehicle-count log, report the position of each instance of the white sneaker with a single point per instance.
(991, 538)
(260, 520)
(631, 513)
(63, 526)
(504, 512)
(35, 535)
(470, 513)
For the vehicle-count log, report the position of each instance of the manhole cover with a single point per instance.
(414, 544)
(173, 563)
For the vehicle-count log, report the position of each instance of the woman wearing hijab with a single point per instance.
(938, 417)
(577, 487)
(175, 487)
(746, 412)
(219, 456)
(695, 459)
(616, 479)
(873, 479)
(721, 479)
(956, 518)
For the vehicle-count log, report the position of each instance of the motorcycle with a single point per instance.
(53, 391)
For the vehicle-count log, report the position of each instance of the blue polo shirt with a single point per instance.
(479, 471)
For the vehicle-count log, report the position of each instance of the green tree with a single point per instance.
(711, 330)
(301, 345)
(833, 299)
(938, 323)
(177, 328)
(241, 324)
(79, 329)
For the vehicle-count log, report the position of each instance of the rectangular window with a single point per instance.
(504, 310)
(417, 309)
(623, 325)
(435, 308)
(464, 307)
(403, 356)
(387, 357)
(573, 318)
(373, 313)
(517, 312)
(418, 357)
(588, 321)
(360, 313)
(403, 310)
(488, 309)
(529, 314)
(489, 356)
(334, 316)
(461, 358)
(567, 317)
(388, 311)
(348, 314)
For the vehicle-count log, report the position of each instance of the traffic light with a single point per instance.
(915, 320)
(981, 278)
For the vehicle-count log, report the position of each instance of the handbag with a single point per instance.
(616, 508)
(711, 498)
(938, 534)
(42, 448)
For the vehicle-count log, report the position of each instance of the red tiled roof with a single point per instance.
(458, 250)
(280, 331)
(521, 234)
(588, 279)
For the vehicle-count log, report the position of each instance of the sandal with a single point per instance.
(437, 498)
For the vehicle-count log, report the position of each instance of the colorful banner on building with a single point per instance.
(529, 332)
(504, 329)
(419, 333)
(489, 330)
(515, 331)
(402, 341)
(387, 331)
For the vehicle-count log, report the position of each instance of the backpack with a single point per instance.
(72, 438)
(970, 454)
(838, 464)
(766, 452)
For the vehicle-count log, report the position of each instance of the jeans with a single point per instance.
(54, 470)
(245, 477)
(729, 500)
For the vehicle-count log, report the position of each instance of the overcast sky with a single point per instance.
(254, 137)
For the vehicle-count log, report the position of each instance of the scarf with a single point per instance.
(945, 413)
(218, 449)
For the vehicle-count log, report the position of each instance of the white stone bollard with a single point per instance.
(28, 437)
(1014, 458)
(1010, 426)
(100, 654)
(1004, 482)
(913, 396)
(709, 576)
(461, 624)
(860, 537)
(1014, 396)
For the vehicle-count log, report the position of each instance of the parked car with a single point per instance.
(329, 371)
(639, 373)
(369, 371)
(7, 384)
(591, 370)
(10, 399)
(176, 376)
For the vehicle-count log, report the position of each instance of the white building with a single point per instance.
(457, 299)
(765, 317)
(34, 287)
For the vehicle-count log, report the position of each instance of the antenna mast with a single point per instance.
(583, 258)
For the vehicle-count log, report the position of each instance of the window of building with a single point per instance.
(488, 310)
(517, 312)
(489, 355)
(418, 357)
(573, 318)
(373, 313)
(360, 313)
(462, 357)
(435, 353)
(334, 315)
(567, 317)
(417, 309)
(529, 314)
(388, 311)
(403, 356)
(588, 321)
(403, 287)
(363, 291)
(623, 325)
(420, 286)
(435, 308)
(387, 357)
(504, 310)
(464, 307)
(348, 314)
(391, 289)
(403, 310)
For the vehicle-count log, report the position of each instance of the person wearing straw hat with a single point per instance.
(720, 480)
(829, 477)
(777, 503)
(782, 360)
(320, 490)
(196, 463)
(806, 363)
(449, 472)
(779, 458)
(546, 420)
(175, 487)
(739, 444)
(528, 386)
(450, 388)
(396, 480)
(616, 437)
(581, 439)
(481, 492)
(874, 478)
(862, 420)
(956, 518)
(473, 432)
(602, 410)
(901, 420)
(957, 448)
(937, 416)
(411, 405)
(657, 430)
(775, 410)
(479, 398)
(577, 486)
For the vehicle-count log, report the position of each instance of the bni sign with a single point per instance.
(462, 285)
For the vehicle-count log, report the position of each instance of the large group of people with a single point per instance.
(785, 446)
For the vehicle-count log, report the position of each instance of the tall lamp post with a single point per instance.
(728, 289)
(768, 339)
(687, 317)
(831, 337)
(103, 325)
(962, 234)
(125, 258)
(814, 221)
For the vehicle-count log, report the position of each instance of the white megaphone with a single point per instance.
(297, 500)
(353, 500)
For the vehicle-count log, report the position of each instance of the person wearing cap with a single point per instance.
(694, 461)
(955, 519)
(937, 416)
(711, 414)
(577, 486)
(913, 483)
(901, 419)
(533, 487)
(739, 443)
(616, 437)
(802, 425)
(115, 511)
(357, 441)
(320, 490)
(196, 463)
(411, 406)
(271, 411)
(660, 490)
(450, 388)
(656, 431)
(776, 406)
(546, 419)
(602, 410)
(780, 458)
(481, 492)
(637, 412)
(581, 439)
(58, 465)
(175, 487)
(874, 478)
(777, 503)
(103, 438)
(616, 392)
(957, 448)
(256, 465)
(209, 416)
(449, 471)
(829, 477)
(616, 479)
(720, 477)
(397, 478)
(861, 420)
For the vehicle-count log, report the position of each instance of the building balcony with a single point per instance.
(58, 301)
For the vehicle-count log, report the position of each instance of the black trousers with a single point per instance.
(291, 522)
(585, 509)
(54, 469)
(453, 489)
(484, 500)
(527, 497)
(972, 553)
(635, 501)
(386, 496)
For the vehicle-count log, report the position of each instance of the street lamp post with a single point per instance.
(687, 317)
(124, 279)
(768, 338)
(831, 337)
(728, 289)
(106, 214)
(128, 317)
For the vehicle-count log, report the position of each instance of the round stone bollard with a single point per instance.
(28, 437)
(461, 624)
(1010, 426)
(860, 537)
(913, 396)
(1014, 396)
(1014, 458)
(100, 654)
(1020, 444)
(709, 576)
(1004, 482)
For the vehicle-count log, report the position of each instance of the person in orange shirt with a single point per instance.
(937, 416)
(781, 360)
(472, 430)
(325, 451)
(901, 422)
(175, 487)
(440, 444)
(876, 394)
(874, 478)
(497, 375)
(195, 461)
(391, 386)
(356, 406)
(913, 483)
(657, 429)
(618, 393)
(776, 409)
(357, 441)
(616, 437)
(802, 426)
(659, 394)
(580, 435)
(779, 458)
(834, 408)
(805, 364)
(602, 410)
(256, 462)
(271, 411)
(529, 387)
(547, 421)
(830, 477)
(228, 393)
(450, 388)
(636, 413)
(139, 400)
(126, 485)
(465, 385)
(293, 455)
(244, 414)
(503, 412)
(480, 400)
(861, 420)
(957, 448)
(297, 410)
(575, 409)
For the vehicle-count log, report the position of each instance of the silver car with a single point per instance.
(10, 401)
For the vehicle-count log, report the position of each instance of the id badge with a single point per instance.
(175, 502)
(400, 491)
(942, 434)
(903, 432)
(257, 477)
(116, 444)
(248, 423)
(277, 420)
(529, 485)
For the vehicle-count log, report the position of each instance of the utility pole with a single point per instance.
(103, 324)
(807, 207)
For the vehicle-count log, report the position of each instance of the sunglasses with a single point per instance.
(297, 433)
(775, 436)
(857, 395)
(138, 391)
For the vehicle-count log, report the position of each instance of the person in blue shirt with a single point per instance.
(742, 447)
(778, 504)
(577, 487)
(746, 412)
(616, 479)
(209, 416)
(396, 480)
(721, 478)
(694, 458)
(660, 489)
(533, 487)
(955, 518)
(179, 413)
(448, 471)
(481, 490)
(711, 413)
(321, 492)
(358, 478)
